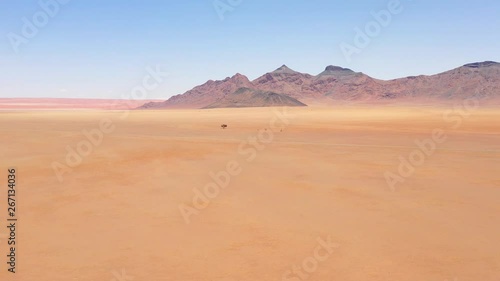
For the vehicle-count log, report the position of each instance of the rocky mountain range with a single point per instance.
(336, 84)
(246, 97)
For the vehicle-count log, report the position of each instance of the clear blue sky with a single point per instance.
(101, 48)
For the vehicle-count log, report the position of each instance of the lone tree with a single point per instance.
(223, 126)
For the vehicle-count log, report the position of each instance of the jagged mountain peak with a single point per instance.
(240, 77)
(236, 78)
(284, 69)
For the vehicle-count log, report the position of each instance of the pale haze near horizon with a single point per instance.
(92, 49)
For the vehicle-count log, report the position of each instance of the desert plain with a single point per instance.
(148, 197)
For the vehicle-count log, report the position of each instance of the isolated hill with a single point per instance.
(479, 80)
(246, 97)
(203, 95)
